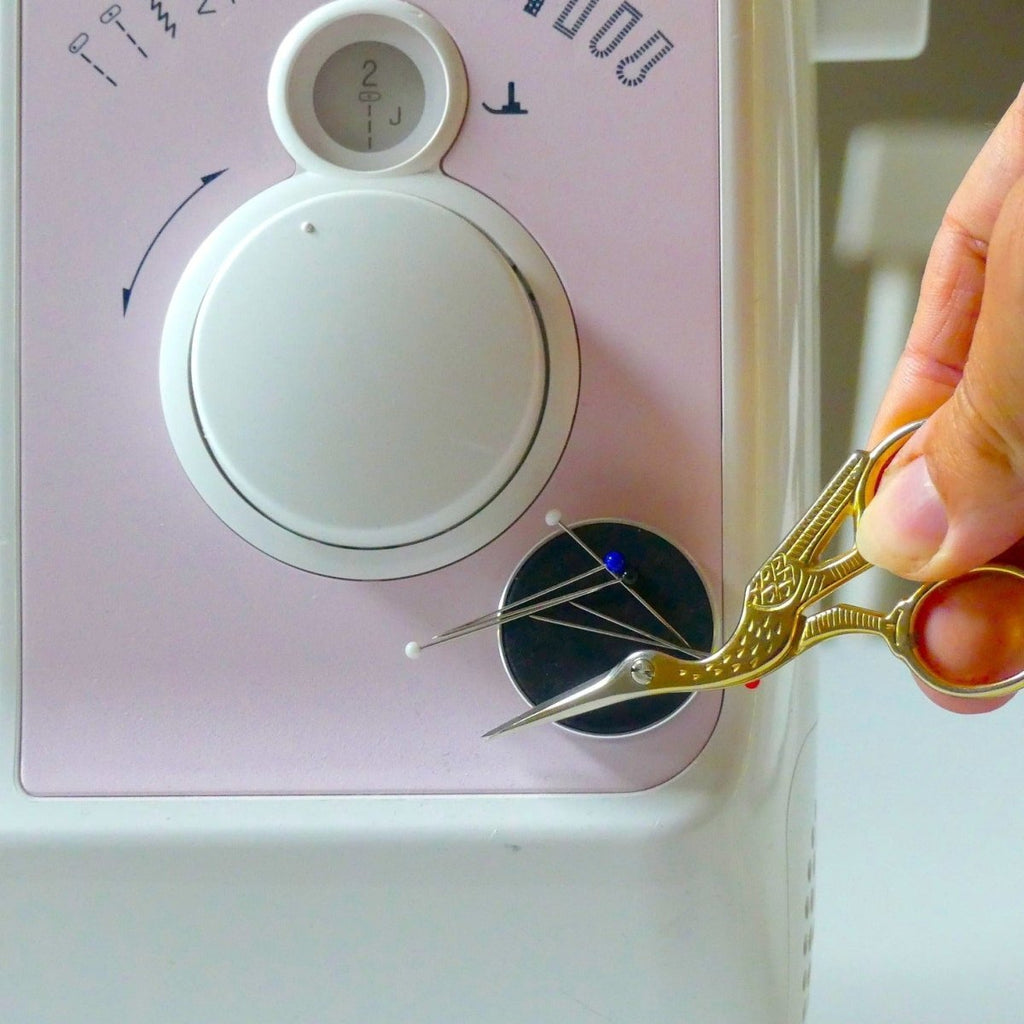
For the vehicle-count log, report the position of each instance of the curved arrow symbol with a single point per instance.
(126, 293)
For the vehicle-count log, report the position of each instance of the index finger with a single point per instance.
(933, 361)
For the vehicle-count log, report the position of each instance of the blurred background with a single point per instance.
(920, 867)
(969, 73)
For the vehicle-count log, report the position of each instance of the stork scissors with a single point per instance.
(774, 626)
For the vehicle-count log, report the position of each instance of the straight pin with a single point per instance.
(413, 649)
(631, 637)
(612, 563)
(534, 604)
(641, 634)
(496, 616)
(554, 518)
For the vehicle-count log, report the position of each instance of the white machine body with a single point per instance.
(287, 385)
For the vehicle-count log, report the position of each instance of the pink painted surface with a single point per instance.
(162, 654)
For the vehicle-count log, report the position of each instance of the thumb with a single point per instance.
(953, 498)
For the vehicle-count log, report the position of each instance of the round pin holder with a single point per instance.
(653, 598)
(369, 370)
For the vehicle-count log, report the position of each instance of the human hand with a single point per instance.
(953, 498)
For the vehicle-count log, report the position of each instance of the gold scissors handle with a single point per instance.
(900, 631)
(773, 627)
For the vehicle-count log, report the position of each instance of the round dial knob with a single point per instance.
(368, 369)
(369, 382)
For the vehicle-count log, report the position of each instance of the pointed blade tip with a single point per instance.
(510, 726)
(530, 717)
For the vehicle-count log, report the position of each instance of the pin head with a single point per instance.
(615, 562)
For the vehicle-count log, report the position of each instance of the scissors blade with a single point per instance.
(632, 677)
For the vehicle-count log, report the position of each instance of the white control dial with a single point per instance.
(368, 370)
(369, 383)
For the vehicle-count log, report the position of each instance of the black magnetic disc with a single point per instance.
(551, 652)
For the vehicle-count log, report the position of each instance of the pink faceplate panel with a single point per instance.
(164, 655)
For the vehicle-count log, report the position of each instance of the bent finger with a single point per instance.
(940, 338)
(953, 497)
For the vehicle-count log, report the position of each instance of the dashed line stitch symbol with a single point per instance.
(131, 39)
(112, 16)
(96, 68)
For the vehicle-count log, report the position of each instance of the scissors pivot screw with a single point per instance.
(642, 671)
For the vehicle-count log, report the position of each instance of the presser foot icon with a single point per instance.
(512, 105)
